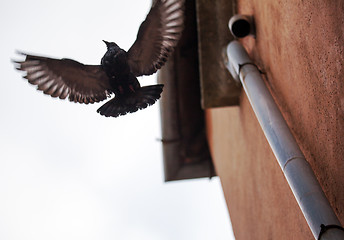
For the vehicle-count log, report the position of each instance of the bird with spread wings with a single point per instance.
(117, 74)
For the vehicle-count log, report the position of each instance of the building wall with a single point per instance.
(299, 46)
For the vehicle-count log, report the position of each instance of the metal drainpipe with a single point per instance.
(313, 203)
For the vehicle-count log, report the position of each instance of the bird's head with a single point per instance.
(110, 44)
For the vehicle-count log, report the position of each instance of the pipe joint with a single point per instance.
(237, 59)
(333, 232)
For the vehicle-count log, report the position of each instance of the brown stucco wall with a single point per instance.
(299, 45)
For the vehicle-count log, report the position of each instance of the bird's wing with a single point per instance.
(157, 37)
(66, 77)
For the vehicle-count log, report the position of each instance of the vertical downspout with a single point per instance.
(314, 205)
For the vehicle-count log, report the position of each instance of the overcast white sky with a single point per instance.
(68, 173)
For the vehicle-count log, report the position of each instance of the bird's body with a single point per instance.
(119, 69)
(115, 64)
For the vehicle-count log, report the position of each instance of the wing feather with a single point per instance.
(157, 37)
(66, 77)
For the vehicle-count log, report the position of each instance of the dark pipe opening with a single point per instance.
(241, 28)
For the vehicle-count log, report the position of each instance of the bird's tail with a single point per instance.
(121, 105)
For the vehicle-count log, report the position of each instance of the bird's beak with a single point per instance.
(107, 43)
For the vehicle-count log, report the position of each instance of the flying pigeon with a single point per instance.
(156, 39)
